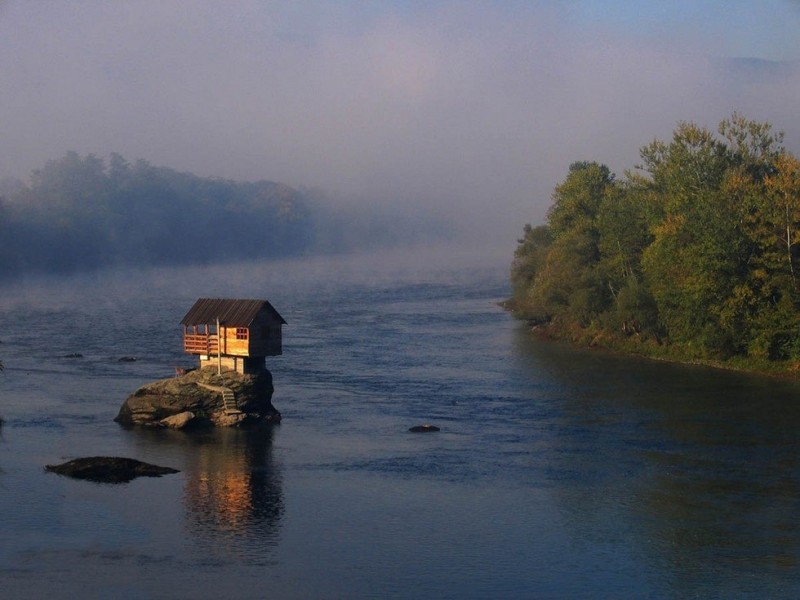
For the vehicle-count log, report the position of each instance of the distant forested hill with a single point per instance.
(696, 254)
(81, 213)
(84, 213)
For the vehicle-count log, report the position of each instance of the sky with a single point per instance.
(472, 111)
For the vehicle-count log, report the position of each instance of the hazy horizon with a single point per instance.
(470, 111)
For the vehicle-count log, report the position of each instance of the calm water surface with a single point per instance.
(557, 473)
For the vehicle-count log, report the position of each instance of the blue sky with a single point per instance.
(766, 29)
(473, 110)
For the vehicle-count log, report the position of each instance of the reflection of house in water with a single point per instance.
(233, 496)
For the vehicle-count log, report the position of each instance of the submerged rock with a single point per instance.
(109, 469)
(423, 428)
(178, 421)
(201, 393)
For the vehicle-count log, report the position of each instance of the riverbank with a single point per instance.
(650, 348)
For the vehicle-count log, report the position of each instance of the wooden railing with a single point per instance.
(200, 343)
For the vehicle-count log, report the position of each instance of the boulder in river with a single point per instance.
(226, 400)
(423, 428)
(178, 421)
(109, 469)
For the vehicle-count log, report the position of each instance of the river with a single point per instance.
(557, 473)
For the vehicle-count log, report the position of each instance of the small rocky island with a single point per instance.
(203, 396)
(232, 386)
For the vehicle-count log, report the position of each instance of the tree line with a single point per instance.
(80, 213)
(83, 212)
(696, 249)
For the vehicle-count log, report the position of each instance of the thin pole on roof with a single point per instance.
(219, 349)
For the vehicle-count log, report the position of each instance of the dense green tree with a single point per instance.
(698, 248)
(577, 200)
(568, 288)
(768, 304)
(529, 258)
(566, 282)
(625, 224)
(690, 269)
(698, 259)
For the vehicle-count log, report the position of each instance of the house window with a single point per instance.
(241, 333)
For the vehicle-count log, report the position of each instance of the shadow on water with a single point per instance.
(694, 470)
(233, 493)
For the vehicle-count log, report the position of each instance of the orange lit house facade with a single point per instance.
(232, 335)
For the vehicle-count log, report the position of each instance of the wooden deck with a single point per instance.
(200, 343)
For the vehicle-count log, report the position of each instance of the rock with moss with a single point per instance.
(200, 392)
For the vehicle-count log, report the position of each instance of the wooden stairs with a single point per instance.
(229, 402)
(228, 397)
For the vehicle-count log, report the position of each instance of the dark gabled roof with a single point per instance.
(231, 313)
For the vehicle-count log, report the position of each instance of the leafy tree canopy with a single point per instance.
(696, 248)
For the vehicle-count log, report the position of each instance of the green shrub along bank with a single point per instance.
(693, 255)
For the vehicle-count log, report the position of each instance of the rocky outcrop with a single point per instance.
(423, 428)
(201, 394)
(109, 469)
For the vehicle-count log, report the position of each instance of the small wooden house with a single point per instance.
(232, 335)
